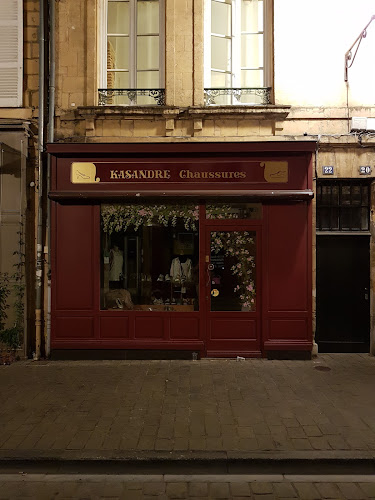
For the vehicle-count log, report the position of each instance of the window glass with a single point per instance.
(326, 195)
(251, 16)
(345, 195)
(323, 219)
(220, 80)
(221, 57)
(232, 276)
(365, 219)
(252, 51)
(118, 52)
(346, 218)
(334, 195)
(149, 257)
(147, 17)
(221, 18)
(365, 195)
(252, 78)
(334, 219)
(356, 195)
(148, 80)
(118, 80)
(118, 18)
(147, 52)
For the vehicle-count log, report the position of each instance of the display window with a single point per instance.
(150, 257)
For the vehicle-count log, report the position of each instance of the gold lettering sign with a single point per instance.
(83, 173)
(275, 171)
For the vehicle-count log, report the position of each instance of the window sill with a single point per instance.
(256, 112)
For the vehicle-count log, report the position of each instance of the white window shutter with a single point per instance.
(11, 53)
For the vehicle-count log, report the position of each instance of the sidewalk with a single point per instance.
(208, 409)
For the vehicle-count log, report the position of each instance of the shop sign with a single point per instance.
(119, 172)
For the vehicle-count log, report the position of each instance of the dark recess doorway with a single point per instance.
(342, 293)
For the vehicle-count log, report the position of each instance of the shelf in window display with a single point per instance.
(164, 307)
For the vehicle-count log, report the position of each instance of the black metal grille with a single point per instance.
(260, 95)
(131, 97)
(342, 206)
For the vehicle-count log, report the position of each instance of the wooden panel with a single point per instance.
(288, 329)
(287, 258)
(184, 328)
(149, 327)
(233, 329)
(74, 282)
(74, 328)
(114, 327)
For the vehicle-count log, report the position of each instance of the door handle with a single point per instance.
(366, 294)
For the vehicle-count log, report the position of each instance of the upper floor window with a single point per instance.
(238, 51)
(132, 48)
(11, 53)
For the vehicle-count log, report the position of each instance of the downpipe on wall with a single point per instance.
(39, 234)
(50, 138)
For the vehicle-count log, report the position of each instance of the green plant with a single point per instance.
(4, 294)
(12, 337)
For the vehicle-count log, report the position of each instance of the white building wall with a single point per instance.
(311, 38)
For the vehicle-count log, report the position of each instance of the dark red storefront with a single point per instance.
(191, 247)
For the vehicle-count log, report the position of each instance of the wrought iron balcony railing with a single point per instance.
(131, 97)
(230, 96)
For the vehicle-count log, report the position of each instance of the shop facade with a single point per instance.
(191, 247)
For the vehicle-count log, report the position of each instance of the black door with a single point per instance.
(342, 293)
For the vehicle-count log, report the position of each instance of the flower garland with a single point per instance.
(235, 244)
(119, 217)
(220, 212)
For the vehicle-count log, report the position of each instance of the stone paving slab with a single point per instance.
(219, 408)
(160, 487)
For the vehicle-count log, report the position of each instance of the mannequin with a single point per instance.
(116, 261)
(181, 268)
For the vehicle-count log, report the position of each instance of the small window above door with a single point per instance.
(342, 206)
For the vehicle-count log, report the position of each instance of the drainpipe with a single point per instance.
(39, 235)
(50, 138)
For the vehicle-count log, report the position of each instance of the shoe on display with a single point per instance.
(161, 278)
(167, 301)
(167, 278)
(173, 303)
(120, 305)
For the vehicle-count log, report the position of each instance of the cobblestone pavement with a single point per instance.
(41, 487)
(323, 407)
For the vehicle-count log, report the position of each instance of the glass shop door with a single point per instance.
(233, 290)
